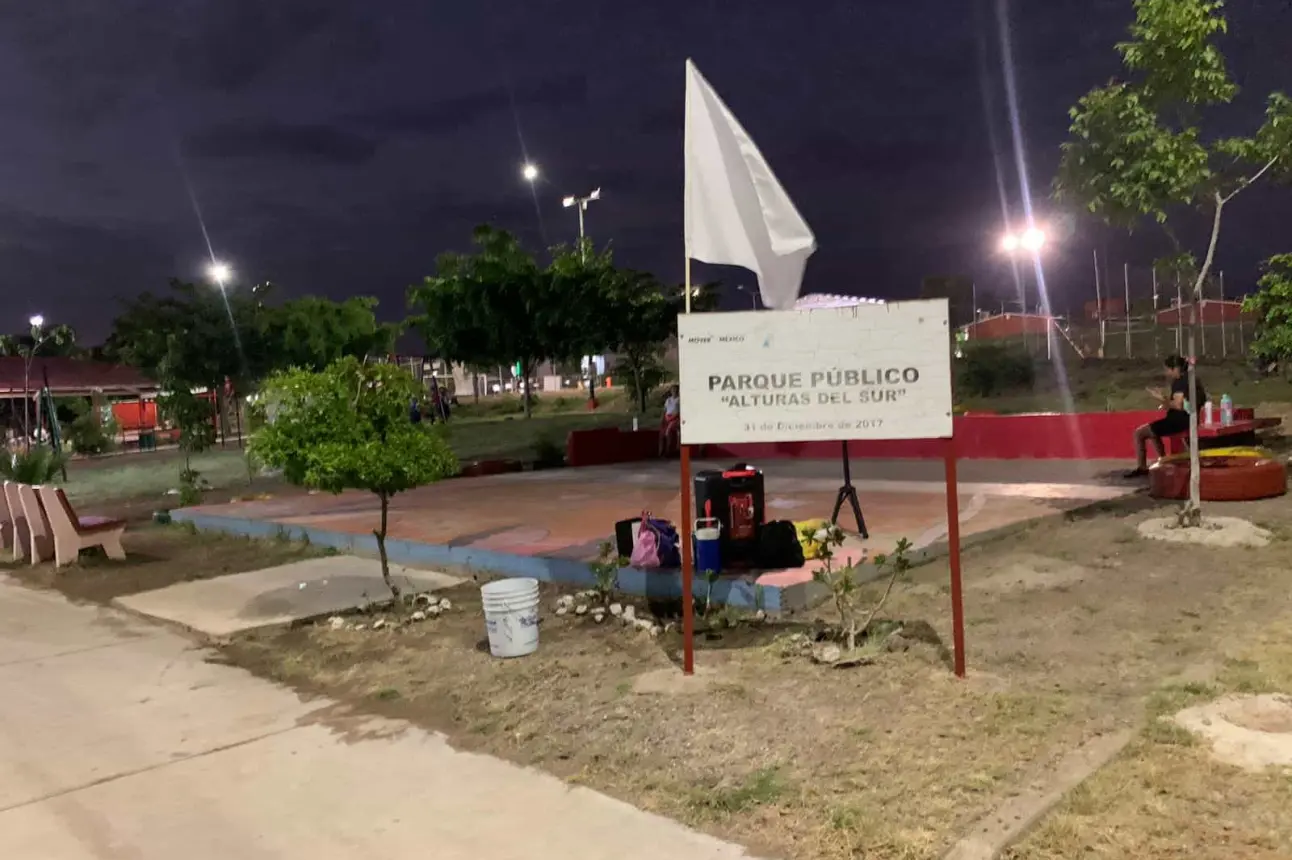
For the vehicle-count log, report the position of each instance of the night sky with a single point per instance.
(336, 146)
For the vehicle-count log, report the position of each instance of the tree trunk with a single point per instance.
(380, 535)
(637, 383)
(592, 381)
(524, 391)
(475, 388)
(1191, 515)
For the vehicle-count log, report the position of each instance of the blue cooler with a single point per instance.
(707, 540)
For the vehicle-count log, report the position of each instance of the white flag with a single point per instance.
(736, 212)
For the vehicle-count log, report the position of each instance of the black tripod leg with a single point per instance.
(856, 509)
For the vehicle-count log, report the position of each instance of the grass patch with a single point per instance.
(760, 788)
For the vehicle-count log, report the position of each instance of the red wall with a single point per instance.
(135, 415)
(1079, 436)
(1007, 325)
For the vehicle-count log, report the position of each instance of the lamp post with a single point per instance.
(753, 295)
(1029, 242)
(581, 203)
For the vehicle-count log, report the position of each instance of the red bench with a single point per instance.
(1236, 434)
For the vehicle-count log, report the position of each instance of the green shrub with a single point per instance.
(547, 450)
(987, 369)
(40, 465)
(88, 436)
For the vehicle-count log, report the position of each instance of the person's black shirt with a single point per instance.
(1181, 386)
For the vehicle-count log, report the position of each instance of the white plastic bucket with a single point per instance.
(511, 616)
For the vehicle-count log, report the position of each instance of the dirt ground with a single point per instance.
(157, 556)
(1166, 796)
(1075, 628)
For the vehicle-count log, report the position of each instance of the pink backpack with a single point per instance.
(646, 547)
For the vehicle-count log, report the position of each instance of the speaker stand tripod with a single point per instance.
(848, 493)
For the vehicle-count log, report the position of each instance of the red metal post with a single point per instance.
(953, 544)
(688, 568)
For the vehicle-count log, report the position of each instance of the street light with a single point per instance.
(36, 321)
(582, 204)
(753, 294)
(529, 172)
(219, 272)
(1031, 240)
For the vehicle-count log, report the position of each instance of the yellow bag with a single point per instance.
(811, 527)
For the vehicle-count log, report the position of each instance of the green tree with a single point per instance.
(1138, 150)
(194, 416)
(494, 307)
(199, 334)
(348, 427)
(1272, 304)
(311, 332)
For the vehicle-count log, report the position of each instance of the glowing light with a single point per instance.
(37, 321)
(1009, 244)
(568, 202)
(1033, 239)
(219, 272)
(530, 172)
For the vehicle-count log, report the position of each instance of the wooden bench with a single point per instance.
(71, 533)
(13, 523)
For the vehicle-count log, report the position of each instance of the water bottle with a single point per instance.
(1208, 417)
(1226, 411)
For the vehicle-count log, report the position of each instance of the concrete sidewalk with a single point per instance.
(119, 741)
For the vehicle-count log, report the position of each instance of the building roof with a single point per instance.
(828, 300)
(72, 376)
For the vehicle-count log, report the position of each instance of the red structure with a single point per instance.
(1112, 309)
(71, 377)
(1007, 326)
(1213, 312)
(1049, 436)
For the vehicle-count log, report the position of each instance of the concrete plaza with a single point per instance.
(548, 524)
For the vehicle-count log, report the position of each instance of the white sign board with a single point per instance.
(878, 371)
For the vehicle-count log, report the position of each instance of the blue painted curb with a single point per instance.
(654, 584)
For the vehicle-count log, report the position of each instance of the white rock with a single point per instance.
(445, 604)
(432, 612)
(630, 614)
(566, 600)
(424, 599)
(616, 609)
(336, 622)
(598, 616)
(644, 624)
(378, 624)
(361, 627)
(760, 616)
(419, 615)
(581, 609)
(653, 631)
(562, 610)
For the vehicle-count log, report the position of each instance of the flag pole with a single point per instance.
(688, 562)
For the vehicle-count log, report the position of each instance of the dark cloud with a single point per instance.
(311, 143)
(459, 112)
(337, 146)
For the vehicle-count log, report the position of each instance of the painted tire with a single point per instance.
(1208, 453)
(1240, 478)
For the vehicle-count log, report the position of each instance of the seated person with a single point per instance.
(670, 428)
(1176, 419)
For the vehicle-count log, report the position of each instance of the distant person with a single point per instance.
(1176, 419)
(670, 428)
(415, 412)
